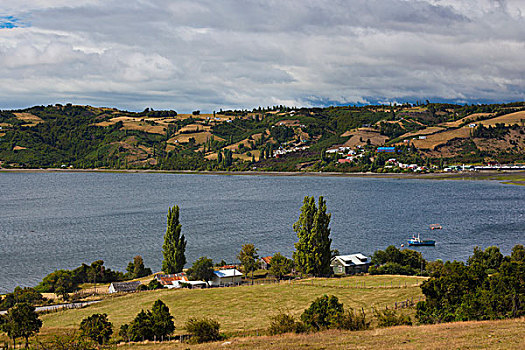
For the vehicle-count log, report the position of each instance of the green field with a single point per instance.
(246, 309)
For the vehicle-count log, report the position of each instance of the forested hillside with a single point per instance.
(275, 138)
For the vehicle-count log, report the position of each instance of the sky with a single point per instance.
(211, 55)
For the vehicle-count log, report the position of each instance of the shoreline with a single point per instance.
(480, 175)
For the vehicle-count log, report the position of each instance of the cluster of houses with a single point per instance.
(284, 150)
(393, 163)
(348, 154)
(229, 275)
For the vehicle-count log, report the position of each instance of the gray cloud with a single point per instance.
(242, 54)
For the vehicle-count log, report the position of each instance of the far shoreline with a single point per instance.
(510, 176)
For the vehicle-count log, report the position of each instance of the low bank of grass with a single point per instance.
(502, 334)
(246, 309)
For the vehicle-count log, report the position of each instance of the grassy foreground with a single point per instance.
(504, 334)
(246, 309)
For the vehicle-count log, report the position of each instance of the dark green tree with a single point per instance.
(248, 258)
(174, 244)
(97, 327)
(312, 252)
(140, 328)
(20, 295)
(518, 253)
(280, 265)
(201, 270)
(22, 322)
(161, 320)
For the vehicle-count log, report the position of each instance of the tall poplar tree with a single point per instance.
(312, 253)
(174, 244)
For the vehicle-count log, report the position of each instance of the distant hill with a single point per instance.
(277, 138)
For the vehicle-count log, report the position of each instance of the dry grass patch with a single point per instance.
(468, 118)
(193, 128)
(507, 119)
(19, 148)
(434, 140)
(30, 119)
(503, 334)
(131, 123)
(426, 131)
(200, 137)
(365, 134)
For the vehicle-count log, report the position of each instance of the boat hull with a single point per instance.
(422, 243)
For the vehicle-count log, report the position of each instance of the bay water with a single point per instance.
(59, 220)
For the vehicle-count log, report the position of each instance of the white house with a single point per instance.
(226, 277)
(350, 264)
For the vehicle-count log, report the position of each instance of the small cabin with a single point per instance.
(226, 278)
(123, 287)
(350, 264)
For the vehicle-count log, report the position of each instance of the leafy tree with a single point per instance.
(201, 270)
(141, 328)
(21, 295)
(248, 258)
(458, 292)
(313, 253)
(518, 253)
(60, 282)
(22, 322)
(174, 244)
(203, 330)
(150, 324)
(323, 313)
(97, 327)
(490, 259)
(395, 261)
(280, 265)
(136, 268)
(161, 320)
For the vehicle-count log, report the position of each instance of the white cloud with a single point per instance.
(209, 55)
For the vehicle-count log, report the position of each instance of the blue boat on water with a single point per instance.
(416, 241)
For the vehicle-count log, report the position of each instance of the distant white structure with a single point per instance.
(226, 277)
(192, 284)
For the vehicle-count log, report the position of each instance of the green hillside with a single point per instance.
(277, 138)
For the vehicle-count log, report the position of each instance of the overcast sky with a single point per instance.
(209, 54)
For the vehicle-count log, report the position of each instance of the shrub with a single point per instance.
(97, 327)
(353, 321)
(203, 330)
(323, 313)
(285, 323)
(154, 284)
(391, 268)
(390, 318)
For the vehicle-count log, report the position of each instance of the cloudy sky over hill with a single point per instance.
(208, 54)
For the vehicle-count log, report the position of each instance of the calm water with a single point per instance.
(50, 221)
